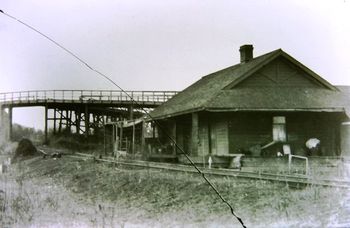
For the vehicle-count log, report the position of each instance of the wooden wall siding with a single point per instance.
(223, 133)
(203, 148)
(279, 73)
(252, 129)
(326, 127)
(249, 129)
(179, 136)
(183, 134)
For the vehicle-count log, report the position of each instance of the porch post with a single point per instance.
(194, 138)
(173, 135)
(345, 139)
(133, 139)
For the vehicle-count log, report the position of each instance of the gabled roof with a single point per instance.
(218, 92)
(272, 56)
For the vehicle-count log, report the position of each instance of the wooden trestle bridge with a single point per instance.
(82, 111)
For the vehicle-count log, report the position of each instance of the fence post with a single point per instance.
(289, 162)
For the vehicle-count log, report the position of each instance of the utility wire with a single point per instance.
(134, 101)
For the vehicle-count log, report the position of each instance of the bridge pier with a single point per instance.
(65, 118)
(54, 120)
(46, 126)
(86, 120)
(60, 122)
(5, 123)
(10, 123)
(131, 112)
(2, 125)
(77, 120)
(69, 121)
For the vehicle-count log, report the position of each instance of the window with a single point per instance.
(279, 129)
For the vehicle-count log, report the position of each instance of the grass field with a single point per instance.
(74, 193)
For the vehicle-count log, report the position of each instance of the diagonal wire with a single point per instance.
(134, 101)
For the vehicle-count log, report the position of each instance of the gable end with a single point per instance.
(281, 70)
(280, 73)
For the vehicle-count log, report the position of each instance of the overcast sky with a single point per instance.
(163, 45)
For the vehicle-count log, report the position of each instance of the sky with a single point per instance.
(163, 44)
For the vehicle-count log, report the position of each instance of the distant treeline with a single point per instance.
(19, 132)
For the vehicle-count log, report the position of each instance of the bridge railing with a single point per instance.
(86, 95)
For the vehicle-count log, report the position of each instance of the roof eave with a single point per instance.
(166, 116)
(276, 109)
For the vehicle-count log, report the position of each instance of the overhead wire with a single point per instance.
(134, 101)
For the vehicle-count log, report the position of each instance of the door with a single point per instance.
(219, 137)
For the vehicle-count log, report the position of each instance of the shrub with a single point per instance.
(25, 148)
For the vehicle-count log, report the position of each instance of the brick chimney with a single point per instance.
(246, 53)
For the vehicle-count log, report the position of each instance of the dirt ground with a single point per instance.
(69, 192)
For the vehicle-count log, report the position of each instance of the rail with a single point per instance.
(295, 180)
(283, 178)
(86, 95)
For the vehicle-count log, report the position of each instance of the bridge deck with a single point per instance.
(82, 110)
(103, 97)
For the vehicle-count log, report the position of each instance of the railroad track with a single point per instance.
(293, 180)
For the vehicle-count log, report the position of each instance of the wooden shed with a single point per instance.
(255, 107)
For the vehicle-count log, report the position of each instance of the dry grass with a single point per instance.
(101, 195)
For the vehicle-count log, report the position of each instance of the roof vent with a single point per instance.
(246, 53)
